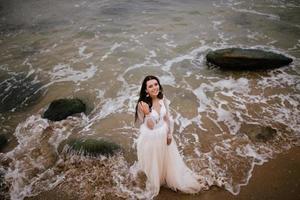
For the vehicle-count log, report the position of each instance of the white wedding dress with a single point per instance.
(162, 163)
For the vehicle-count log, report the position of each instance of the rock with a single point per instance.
(246, 59)
(5, 161)
(18, 91)
(93, 147)
(4, 189)
(62, 108)
(257, 133)
(3, 141)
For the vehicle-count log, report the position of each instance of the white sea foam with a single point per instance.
(227, 87)
(27, 139)
(64, 72)
(167, 66)
(240, 85)
(111, 106)
(182, 122)
(35, 156)
(249, 151)
(112, 49)
(204, 101)
(196, 137)
(30, 70)
(216, 24)
(135, 39)
(228, 118)
(167, 80)
(169, 43)
(270, 16)
(197, 152)
(233, 6)
(82, 53)
(190, 56)
(148, 61)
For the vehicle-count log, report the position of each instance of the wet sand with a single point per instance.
(275, 180)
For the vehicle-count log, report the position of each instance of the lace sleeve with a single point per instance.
(141, 115)
(169, 117)
(142, 119)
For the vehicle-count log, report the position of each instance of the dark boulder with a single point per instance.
(62, 108)
(257, 133)
(246, 59)
(93, 147)
(3, 141)
(18, 91)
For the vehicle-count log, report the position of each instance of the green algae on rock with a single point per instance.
(93, 147)
(62, 108)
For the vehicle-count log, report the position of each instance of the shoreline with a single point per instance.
(276, 179)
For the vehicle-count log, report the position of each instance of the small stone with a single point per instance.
(258, 133)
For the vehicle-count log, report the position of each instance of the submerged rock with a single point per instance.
(257, 133)
(246, 59)
(3, 141)
(19, 91)
(93, 147)
(62, 108)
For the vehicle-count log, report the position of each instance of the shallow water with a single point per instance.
(100, 51)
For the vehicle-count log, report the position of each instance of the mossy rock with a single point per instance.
(62, 108)
(3, 141)
(93, 147)
(257, 133)
(246, 59)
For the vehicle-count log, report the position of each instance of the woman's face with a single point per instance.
(152, 88)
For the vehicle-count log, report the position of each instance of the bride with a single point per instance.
(157, 152)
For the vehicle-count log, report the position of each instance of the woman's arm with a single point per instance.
(169, 121)
(168, 118)
(144, 113)
(149, 122)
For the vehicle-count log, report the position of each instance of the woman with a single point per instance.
(157, 151)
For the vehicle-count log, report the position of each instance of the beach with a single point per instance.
(236, 129)
(277, 179)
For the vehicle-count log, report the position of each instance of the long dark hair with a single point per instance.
(143, 94)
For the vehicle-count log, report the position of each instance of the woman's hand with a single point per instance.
(144, 107)
(166, 118)
(150, 123)
(169, 139)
